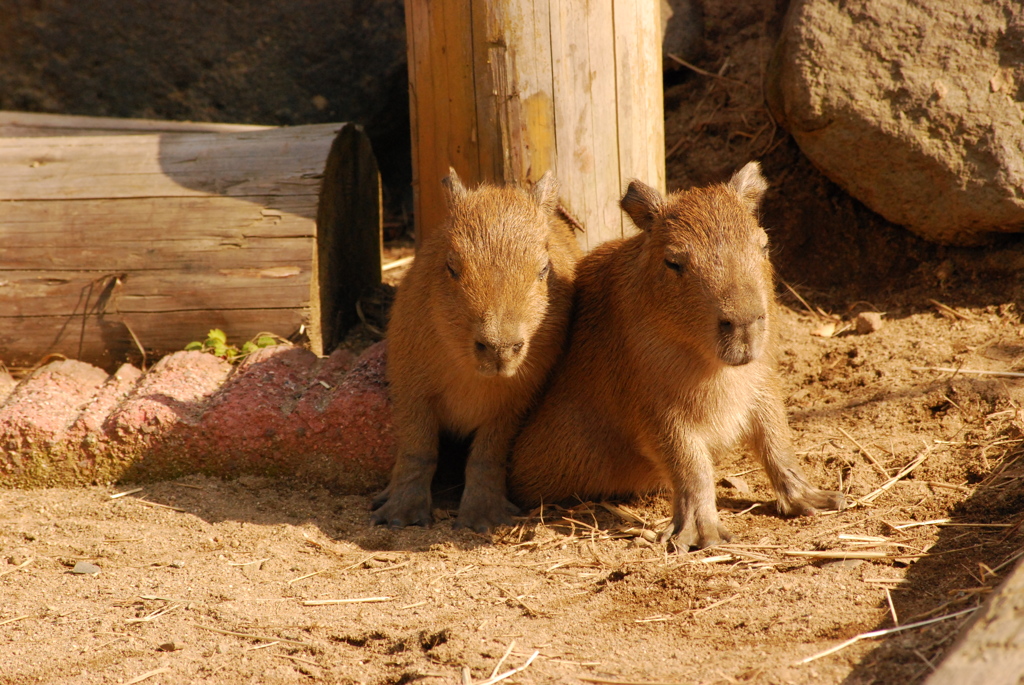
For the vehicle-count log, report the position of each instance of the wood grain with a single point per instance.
(556, 84)
(162, 231)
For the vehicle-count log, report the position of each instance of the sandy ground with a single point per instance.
(205, 580)
(202, 580)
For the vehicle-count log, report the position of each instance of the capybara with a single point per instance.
(476, 326)
(670, 362)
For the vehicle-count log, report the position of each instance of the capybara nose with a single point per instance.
(503, 350)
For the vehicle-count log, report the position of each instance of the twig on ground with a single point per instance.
(881, 633)
(864, 451)
(917, 461)
(16, 618)
(497, 666)
(975, 372)
(509, 674)
(251, 636)
(149, 674)
(355, 600)
(126, 492)
(704, 72)
(18, 567)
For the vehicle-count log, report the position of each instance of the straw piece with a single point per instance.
(881, 633)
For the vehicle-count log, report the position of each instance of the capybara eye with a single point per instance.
(675, 266)
(480, 347)
(544, 272)
(452, 272)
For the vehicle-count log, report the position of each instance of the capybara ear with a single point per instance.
(642, 203)
(452, 183)
(545, 192)
(749, 185)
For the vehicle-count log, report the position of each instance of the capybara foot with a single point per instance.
(409, 508)
(380, 499)
(812, 501)
(482, 516)
(683, 537)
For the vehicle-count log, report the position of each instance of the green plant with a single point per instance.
(216, 343)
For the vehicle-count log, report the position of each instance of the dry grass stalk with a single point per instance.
(915, 524)
(398, 263)
(973, 372)
(497, 666)
(148, 674)
(269, 644)
(156, 504)
(878, 492)
(881, 633)
(18, 567)
(839, 554)
(16, 618)
(509, 674)
(704, 72)
(297, 659)
(948, 311)
(309, 575)
(863, 450)
(154, 615)
(248, 563)
(804, 302)
(355, 600)
(619, 681)
(250, 636)
(892, 607)
(126, 492)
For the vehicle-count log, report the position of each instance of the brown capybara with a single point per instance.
(476, 326)
(670, 362)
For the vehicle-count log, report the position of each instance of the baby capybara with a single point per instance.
(670, 362)
(476, 326)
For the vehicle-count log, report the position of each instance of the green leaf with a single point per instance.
(265, 341)
(217, 335)
(249, 347)
(196, 345)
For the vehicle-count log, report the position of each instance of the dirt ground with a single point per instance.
(202, 580)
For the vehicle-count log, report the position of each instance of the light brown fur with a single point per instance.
(476, 326)
(670, 362)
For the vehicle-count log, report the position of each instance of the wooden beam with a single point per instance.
(112, 241)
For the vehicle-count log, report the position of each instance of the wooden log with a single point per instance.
(503, 91)
(115, 242)
(990, 650)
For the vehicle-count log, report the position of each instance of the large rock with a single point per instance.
(915, 108)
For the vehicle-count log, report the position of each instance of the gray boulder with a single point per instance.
(916, 108)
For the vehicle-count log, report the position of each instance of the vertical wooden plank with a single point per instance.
(574, 135)
(460, 108)
(568, 85)
(638, 74)
(606, 219)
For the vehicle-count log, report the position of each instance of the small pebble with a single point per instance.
(177, 563)
(844, 563)
(736, 483)
(85, 568)
(172, 646)
(868, 322)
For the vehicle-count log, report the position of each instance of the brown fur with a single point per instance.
(669, 366)
(476, 326)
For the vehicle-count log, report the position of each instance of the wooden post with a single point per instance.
(504, 90)
(125, 234)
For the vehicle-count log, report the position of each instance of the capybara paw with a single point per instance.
(690, 536)
(482, 517)
(399, 512)
(811, 502)
(380, 499)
